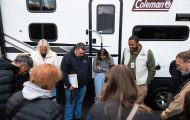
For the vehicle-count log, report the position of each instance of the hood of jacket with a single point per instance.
(32, 91)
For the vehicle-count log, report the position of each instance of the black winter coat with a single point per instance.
(72, 65)
(41, 109)
(109, 111)
(7, 83)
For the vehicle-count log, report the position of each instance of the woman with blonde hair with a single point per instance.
(118, 98)
(34, 101)
(44, 54)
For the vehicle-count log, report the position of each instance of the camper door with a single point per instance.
(105, 18)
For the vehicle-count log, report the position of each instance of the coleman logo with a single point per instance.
(152, 5)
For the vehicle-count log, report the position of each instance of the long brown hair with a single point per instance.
(120, 87)
(103, 52)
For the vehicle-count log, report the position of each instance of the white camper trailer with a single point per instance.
(161, 25)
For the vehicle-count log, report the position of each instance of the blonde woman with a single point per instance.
(44, 54)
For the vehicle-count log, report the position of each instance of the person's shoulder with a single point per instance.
(143, 108)
(187, 84)
(67, 56)
(126, 49)
(172, 63)
(17, 94)
(47, 103)
(110, 56)
(34, 54)
(97, 105)
(172, 67)
(53, 53)
(149, 50)
(146, 113)
(85, 55)
(4, 63)
(150, 53)
(16, 98)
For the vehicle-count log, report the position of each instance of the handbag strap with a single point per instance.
(133, 111)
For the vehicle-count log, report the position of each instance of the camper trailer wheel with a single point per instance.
(161, 98)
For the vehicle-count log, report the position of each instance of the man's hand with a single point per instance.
(71, 88)
(163, 115)
(98, 67)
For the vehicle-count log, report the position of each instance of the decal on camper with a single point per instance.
(152, 5)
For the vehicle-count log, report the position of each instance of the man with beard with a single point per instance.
(141, 63)
(175, 108)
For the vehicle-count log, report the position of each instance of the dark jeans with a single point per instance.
(73, 104)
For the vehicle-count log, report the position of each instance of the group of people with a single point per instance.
(26, 85)
(111, 86)
(119, 89)
(141, 65)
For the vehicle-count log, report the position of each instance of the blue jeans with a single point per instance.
(98, 83)
(74, 106)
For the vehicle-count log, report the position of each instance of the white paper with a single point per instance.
(73, 80)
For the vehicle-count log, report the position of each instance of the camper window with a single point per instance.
(41, 5)
(105, 19)
(46, 31)
(161, 33)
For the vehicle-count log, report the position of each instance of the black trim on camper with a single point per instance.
(161, 32)
(105, 19)
(2, 39)
(120, 30)
(41, 6)
(46, 31)
(13, 50)
(182, 17)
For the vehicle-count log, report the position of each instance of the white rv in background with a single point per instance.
(161, 25)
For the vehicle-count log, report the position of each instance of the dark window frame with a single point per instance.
(42, 31)
(113, 19)
(166, 27)
(41, 10)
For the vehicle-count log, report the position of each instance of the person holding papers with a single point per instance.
(75, 67)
